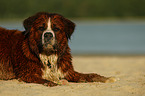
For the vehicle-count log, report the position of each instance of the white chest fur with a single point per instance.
(51, 73)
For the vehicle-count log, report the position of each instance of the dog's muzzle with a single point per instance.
(47, 37)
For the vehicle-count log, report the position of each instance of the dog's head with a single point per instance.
(47, 32)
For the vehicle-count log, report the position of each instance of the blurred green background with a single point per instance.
(103, 26)
(74, 8)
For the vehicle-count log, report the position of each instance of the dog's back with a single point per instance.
(6, 43)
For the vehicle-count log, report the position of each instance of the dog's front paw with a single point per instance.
(111, 80)
(51, 84)
(97, 78)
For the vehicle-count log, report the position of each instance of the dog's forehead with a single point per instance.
(54, 18)
(44, 20)
(49, 15)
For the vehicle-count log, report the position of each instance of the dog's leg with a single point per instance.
(36, 79)
(73, 76)
(31, 73)
(66, 67)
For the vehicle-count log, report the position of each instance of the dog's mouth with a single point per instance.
(49, 49)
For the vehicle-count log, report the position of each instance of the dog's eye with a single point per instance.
(56, 29)
(41, 28)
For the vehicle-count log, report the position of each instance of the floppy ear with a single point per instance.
(27, 23)
(70, 26)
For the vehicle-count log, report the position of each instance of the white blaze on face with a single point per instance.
(48, 30)
(49, 25)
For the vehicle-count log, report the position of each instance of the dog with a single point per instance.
(41, 53)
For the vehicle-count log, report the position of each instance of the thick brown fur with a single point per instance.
(19, 51)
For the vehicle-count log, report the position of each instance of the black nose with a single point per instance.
(48, 35)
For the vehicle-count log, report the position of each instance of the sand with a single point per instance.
(129, 69)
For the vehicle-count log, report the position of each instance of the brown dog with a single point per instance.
(41, 53)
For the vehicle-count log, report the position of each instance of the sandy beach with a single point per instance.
(129, 69)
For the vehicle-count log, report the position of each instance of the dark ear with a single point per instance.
(27, 23)
(70, 26)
